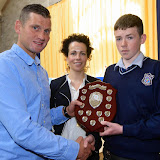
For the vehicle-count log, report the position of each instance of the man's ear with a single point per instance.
(143, 38)
(17, 26)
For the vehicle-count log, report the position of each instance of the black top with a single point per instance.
(61, 96)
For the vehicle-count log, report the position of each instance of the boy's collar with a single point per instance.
(138, 61)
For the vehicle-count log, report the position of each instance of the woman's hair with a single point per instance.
(128, 21)
(76, 38)
(33, 8)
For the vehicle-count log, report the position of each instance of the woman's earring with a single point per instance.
(68, 68)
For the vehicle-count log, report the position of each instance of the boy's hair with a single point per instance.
(33, 8)
(76, 38)
(128, 21)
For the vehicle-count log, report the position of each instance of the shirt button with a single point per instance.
(42, 105)
(44, 121)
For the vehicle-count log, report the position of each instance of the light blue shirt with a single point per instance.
(25, 116)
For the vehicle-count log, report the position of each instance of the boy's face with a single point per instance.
(128, 43)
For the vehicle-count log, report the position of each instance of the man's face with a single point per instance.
(34, 35)
(128, 43)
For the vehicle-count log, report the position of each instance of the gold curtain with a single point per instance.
(96, 18)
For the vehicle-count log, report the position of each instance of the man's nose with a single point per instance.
(41, 35)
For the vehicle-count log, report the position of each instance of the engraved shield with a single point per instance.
(99, 104)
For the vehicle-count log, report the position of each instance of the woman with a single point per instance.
(77, 50)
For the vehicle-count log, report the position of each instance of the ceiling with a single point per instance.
(2, 3)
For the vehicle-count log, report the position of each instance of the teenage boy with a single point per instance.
(135, 131)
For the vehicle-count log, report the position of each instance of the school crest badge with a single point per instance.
(147, 79)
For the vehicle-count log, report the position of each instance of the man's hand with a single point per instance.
(89, 140)
(85, 147)
(70, 109)
(111, 128)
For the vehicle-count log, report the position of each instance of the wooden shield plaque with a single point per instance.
(99, 104)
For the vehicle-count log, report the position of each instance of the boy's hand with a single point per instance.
(111, 128)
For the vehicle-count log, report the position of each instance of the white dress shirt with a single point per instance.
(72, 130)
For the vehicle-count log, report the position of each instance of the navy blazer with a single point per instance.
(61, 96)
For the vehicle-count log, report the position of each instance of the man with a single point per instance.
(25, 117)
(135, 133)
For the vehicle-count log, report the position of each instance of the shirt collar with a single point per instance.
(69, 80)
(138, 62)
(24, 56)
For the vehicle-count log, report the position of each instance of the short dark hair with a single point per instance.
(33, 8)
(76, 38)
(128, 21)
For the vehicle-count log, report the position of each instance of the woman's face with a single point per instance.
(77, 56)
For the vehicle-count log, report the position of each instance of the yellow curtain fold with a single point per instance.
(96, 18)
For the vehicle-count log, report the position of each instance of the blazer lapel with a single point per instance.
(64, 90)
